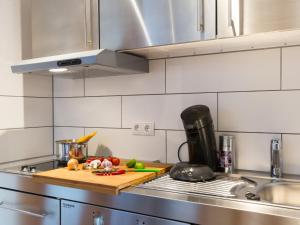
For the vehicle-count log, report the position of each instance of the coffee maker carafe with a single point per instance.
(201, 142)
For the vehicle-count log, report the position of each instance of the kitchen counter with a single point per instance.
(195, 209)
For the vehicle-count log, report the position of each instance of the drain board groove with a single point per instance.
(220, 187)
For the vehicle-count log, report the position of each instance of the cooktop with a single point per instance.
(37, 167)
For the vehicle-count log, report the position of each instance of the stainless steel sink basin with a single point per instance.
(284, 193)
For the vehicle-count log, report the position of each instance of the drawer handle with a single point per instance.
(200, 16)
(35, 214)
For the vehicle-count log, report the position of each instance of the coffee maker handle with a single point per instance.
(179, 149)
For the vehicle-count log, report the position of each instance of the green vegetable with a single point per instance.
(139, 165)
(131, 163)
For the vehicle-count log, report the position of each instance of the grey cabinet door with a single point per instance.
(130, 24)
(243, 17)
(63, 26)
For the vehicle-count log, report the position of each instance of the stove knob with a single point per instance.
(32, 169)
(24, 168)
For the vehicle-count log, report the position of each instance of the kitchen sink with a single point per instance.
(281, 192)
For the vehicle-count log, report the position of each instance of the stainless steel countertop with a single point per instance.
(196, 209)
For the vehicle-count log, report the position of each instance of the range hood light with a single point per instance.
(58, 70)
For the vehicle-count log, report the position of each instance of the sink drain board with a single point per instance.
(220, 187)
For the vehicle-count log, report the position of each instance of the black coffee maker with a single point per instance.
(202, 149)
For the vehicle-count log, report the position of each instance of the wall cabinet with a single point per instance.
(244, 17)
(63, 26)
(130, 24)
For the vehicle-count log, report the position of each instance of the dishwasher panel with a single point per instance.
(17, 208)
(83, 214)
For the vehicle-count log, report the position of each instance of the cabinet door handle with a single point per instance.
(3, 205)
(230, 18)
(200, 16)
(88, 24)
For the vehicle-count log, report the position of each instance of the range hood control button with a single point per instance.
(69, 62)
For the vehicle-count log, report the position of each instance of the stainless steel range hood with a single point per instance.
(101, 62)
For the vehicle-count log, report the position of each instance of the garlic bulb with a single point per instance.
(106, 164)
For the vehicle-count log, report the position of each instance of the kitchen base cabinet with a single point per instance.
(83, 214)
(17, 208)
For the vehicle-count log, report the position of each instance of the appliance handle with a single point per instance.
(200, 17)
(179, 150)
(230, 19)
(3, 205)
(88, 24)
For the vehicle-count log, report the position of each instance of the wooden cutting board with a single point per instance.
(85, 179)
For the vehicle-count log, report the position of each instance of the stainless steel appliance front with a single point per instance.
(84, 214)
(17, 208)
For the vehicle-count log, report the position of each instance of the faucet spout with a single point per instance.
(276, 158)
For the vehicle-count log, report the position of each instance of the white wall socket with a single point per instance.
(143, 129)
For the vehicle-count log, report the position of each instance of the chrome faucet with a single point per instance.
(275, 158)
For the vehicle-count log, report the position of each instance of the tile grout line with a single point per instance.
(225, 131)
(280, 65)
(121, 111)
(167, 94)
(53, 131)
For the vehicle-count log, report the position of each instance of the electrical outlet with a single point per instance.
(143, 129)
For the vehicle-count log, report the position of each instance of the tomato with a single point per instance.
(90, 159)
(109, 158)
(115, 161)
(101, 158)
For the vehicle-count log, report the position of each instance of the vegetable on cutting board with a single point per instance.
(139, 165)
(86, 138)
(131, 163)
(73, 164)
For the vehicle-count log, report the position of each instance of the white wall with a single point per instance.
(26, 101)
(253, 95)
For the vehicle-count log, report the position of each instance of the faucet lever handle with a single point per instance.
(275, 144)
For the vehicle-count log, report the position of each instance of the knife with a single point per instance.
(144, 170)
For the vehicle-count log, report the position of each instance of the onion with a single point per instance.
(73, 164)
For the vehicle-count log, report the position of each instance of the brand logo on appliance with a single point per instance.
(68, 205)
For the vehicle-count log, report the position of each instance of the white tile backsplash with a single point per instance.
(66, 87)
(37, 85)
(38, 112)
(252, 150)
(20, 112)
(63, 133)
(275, 111)
(88, 112)
(242, 90)
(163, 110)
(174, 140)
(241, 71)
(125, 145)
(290, 153)
(25, 112)
(290, 68)
(148, 83)
(21, 144)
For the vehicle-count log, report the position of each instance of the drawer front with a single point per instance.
(84, 214)
(17, 208)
